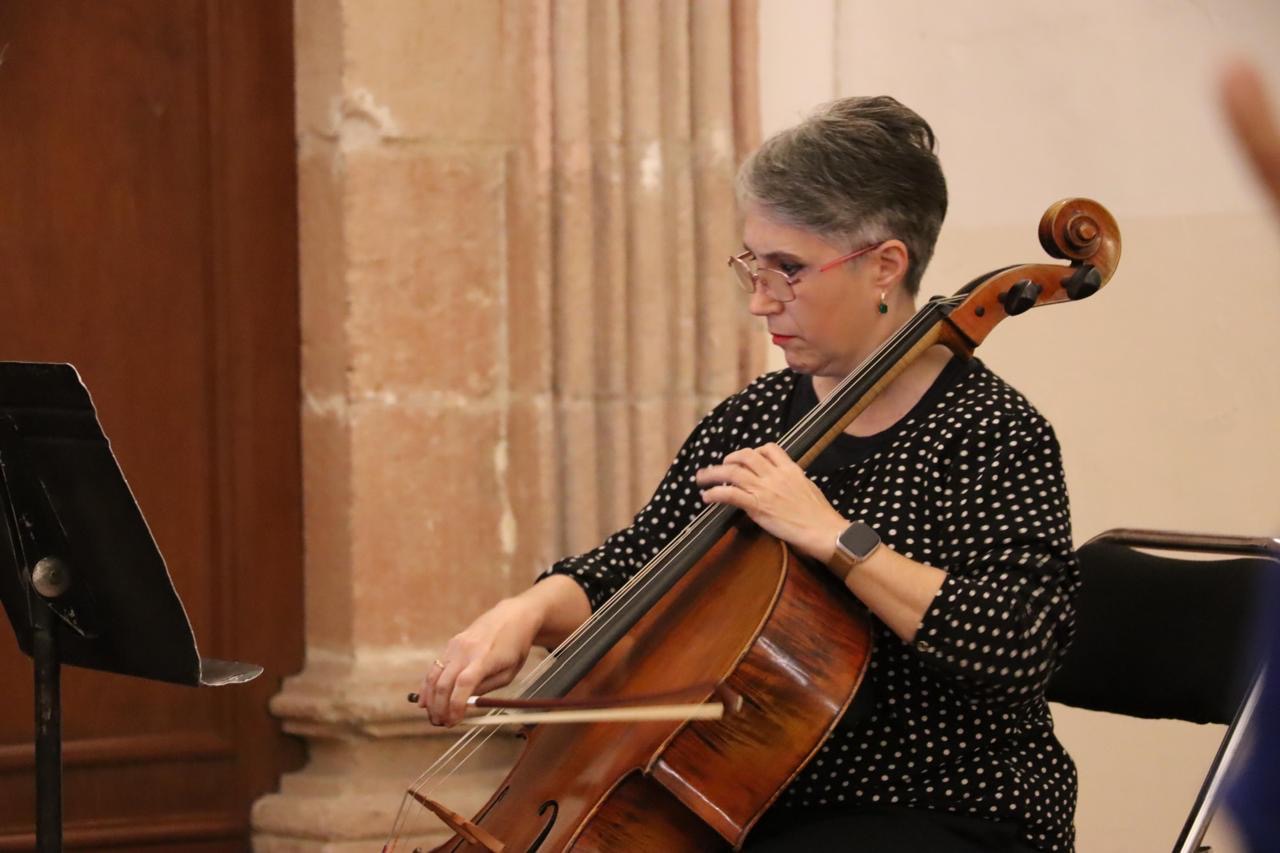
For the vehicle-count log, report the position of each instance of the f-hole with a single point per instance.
(551, 821)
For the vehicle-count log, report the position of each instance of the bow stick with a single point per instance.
(649, 706)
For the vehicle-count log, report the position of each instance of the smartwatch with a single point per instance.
(856, 543)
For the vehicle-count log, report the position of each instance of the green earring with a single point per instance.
(884, 306)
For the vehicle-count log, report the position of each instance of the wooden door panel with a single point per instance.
(148, 236)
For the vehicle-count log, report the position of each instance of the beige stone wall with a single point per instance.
(1163, 388)
(513, 223)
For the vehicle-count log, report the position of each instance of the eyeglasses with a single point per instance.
(776, 283)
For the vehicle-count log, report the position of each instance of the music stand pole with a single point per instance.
(48, 729)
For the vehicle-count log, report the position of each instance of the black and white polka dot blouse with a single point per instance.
(969, 481)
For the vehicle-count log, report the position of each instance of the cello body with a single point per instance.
(745, 616)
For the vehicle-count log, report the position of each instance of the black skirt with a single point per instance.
(886, 829)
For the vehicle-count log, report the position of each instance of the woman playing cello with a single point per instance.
(942, 508)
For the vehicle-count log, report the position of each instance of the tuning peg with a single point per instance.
(1083, 281)
(1020, 296)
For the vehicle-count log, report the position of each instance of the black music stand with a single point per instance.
(81, 578)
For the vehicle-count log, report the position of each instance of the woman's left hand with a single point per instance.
(773, 490)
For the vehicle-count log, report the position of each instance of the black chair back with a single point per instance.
(1161, 636)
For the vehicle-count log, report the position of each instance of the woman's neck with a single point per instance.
(897, 398)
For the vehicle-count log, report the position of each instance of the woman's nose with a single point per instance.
(761, 303)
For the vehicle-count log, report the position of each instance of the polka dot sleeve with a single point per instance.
(604, 569)
(1005, 612)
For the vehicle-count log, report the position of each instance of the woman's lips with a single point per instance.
(782, 339)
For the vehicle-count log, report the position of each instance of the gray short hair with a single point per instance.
(856, 171)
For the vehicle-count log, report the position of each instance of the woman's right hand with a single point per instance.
(486, 655)
(489, 652)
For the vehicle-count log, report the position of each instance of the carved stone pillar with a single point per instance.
(649, 331)
(513, 222)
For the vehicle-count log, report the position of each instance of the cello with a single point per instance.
(729, 609)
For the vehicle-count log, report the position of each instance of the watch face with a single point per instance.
(859, 540)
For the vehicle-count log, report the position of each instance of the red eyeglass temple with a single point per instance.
(840, 260)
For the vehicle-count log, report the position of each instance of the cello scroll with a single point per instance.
(1077, 229)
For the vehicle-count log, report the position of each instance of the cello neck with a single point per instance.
(817, 429)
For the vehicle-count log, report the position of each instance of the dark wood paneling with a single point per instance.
(148, 236)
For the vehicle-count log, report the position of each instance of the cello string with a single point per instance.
(586, 632)
(473, 734)
(579, 640)
(459, 744)
(431, 777)
(653, 570)
(446, 765)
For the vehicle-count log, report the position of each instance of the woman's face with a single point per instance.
(834, 322)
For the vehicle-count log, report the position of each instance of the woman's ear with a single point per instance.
(891, 262)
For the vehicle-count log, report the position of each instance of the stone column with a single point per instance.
(513, 217)
(649, 331)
